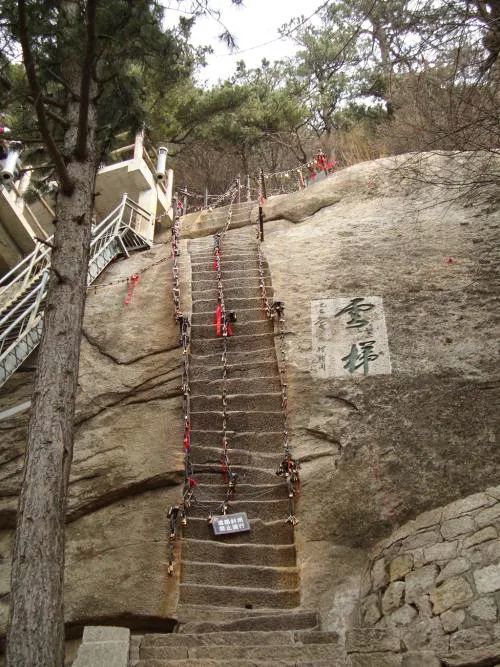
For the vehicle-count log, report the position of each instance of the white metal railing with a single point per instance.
(24, 288)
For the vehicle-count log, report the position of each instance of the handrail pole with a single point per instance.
(122, 212)
(38, 299)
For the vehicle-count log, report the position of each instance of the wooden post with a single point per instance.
(239, 189)
(249, 191)
(185, 202)
(205, 205)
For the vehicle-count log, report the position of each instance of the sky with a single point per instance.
(252, 24)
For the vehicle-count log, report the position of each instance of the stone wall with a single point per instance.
(434, 584)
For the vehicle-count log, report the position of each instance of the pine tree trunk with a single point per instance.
(36, 632)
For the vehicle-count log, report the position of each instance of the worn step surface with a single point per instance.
(204, 332)
(242, 576)
(267, 555)
(269, 401)
(202, 618)
(231, 596)
(244, 314)
(273, 510)
(239, 342)
(269, 442)
(237, 385)
(296, 651)
(251, 638)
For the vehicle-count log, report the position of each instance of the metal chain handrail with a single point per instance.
(230, 476)
(177, 514)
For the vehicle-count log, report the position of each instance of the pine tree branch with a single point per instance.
(87, 73)
(36, 91)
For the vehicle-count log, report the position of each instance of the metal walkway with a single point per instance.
(23, 290)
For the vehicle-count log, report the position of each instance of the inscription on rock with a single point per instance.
(349, 337)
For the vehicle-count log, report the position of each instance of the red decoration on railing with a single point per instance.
(218, 320)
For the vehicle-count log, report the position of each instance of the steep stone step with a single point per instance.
(266, 441)
(267, 654)
(243, 315)
(234, 358)
(211, 474)
(238, 421)
(241, 554)
(247, 493)
(232, 303)
(271, 532)
(250, 638)
(241, 457)
(228, 282)
(193, 619)
(270, 652)
(241, 576)
(248, 402)
(237, 385)
(231, 274)
(248, 369)
(239, 342)
(233, 596)
(267, 510)
(206, 244)
(231, 293)
(229, 265)
(226, 256)
(332, 661)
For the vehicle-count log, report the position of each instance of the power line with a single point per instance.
(276, 39)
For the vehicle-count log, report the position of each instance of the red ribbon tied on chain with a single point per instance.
(131, 282)
(218, 320)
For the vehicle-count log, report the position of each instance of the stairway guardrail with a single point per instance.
(23, 290)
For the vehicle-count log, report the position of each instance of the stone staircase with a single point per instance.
(239, 594)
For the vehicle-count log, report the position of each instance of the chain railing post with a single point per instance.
(121, 213)
(262, 197)
(263, 184)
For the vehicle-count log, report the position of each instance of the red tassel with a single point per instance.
(192, 482)
(230, 331)
(218, 320)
